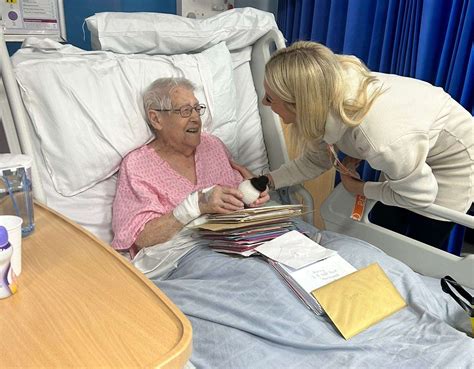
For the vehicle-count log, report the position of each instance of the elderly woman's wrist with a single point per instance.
(188, 209)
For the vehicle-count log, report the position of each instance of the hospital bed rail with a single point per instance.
(423, 258)
(272, 130)
(16, 126)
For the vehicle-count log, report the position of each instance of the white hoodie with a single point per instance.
(416, 134)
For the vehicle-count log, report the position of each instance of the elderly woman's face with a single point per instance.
(181, 132)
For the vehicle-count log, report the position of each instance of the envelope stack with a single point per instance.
(240, 232)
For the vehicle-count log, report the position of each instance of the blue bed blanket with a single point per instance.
(244, 316)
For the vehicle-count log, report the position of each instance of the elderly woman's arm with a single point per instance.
(220, 199)
(158, 230)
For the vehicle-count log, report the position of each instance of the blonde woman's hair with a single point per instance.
(308, 77)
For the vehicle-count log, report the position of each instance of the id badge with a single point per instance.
(359, 207)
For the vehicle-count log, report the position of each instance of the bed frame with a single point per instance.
(335, 210)
(421, 257)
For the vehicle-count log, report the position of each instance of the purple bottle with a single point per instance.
(7, 277)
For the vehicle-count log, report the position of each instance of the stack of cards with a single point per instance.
(240, 232)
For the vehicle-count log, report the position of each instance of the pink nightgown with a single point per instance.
(149, 188)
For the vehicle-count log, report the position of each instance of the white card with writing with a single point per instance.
(294, 250)
(321, 273)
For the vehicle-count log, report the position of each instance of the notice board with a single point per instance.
(39, 18)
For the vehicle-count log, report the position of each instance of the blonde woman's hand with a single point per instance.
(352, 185)
(220, 199)
(247, 174)
(352, 164)
(264, 197)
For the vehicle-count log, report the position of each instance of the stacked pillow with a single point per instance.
(158, 34)
(155, 33)
(87, 107)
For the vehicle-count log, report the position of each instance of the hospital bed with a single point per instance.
(77, 113)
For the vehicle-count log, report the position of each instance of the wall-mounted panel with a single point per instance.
(39, 18)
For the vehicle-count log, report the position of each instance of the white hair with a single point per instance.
(157, 96)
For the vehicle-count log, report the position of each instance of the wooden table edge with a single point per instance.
(184, 346)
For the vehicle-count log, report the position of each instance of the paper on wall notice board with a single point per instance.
(22, 18)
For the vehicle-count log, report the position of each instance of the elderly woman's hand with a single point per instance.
(220, 199)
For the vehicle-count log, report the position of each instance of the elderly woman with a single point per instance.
(180, 175)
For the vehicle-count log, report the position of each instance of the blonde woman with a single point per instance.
(414, 133)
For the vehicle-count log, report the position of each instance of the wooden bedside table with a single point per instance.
(81, 304)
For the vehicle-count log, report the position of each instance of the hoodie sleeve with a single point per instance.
(409, 181)
(313, 162)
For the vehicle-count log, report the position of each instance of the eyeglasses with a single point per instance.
(186, 110)
(337, 164)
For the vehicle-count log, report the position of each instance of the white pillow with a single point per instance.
(87, 111)
(155, 33)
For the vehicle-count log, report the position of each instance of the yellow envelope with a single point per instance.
(359, 300)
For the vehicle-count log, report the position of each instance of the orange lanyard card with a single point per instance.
(359, 206)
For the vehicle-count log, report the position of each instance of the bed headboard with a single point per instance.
(77, 116)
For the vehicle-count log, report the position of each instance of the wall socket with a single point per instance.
(202, 8)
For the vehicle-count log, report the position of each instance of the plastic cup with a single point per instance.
(13, 225)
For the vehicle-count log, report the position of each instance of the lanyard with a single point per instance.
(337, 164)
(360, 200)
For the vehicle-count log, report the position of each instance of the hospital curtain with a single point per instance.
(430, 40)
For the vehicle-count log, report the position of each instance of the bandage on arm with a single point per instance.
(188, 209)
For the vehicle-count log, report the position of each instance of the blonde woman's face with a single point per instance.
(278, 105)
